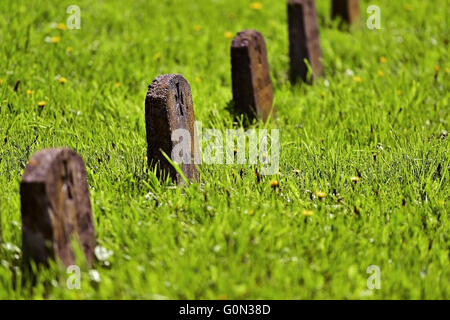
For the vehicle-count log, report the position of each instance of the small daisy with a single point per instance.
(349, 72)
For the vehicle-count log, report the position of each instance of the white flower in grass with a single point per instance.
(349, 72)
(11, 247)
(102, 253)
(94, 275)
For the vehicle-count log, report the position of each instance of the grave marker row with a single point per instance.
(55, 201)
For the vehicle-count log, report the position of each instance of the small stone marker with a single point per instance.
(252, 87)
(347, 10)
(56, 208)
(303, 39)
(168, 107)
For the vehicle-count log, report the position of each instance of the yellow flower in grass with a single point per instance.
(256, 5)
(198, 79)
(274, 184)
(198, 28)
(383, 59)
(62, 80)
(69, 49)
(117, 84)
(354, 179)
(1, 82)
(157, 56)
(42, 103)
(29, 92)
(357, 79)
(399, 92)
(447, 70)
(321, 194)
(307, 213)
(55, 39)
(61, 26)
(437, 68)
(380, 73)
(228, 34)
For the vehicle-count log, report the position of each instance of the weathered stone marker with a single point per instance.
(347, 10)
(56, 208)
(169, 107)
(252, 87)
(304, 40)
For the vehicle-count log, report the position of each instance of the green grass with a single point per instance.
(232, 237)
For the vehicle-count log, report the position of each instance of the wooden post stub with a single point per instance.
(252, 86)
(304, 42)
(347, 10)
(169, 107)
(56, 208)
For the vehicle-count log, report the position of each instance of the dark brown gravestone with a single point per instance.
(168, 107)
(347, 10)
(56, 208)
(252, 87)
(303, 39)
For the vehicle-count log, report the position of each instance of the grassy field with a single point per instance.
(380, 113)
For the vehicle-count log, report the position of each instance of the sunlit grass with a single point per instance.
(363, 162)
